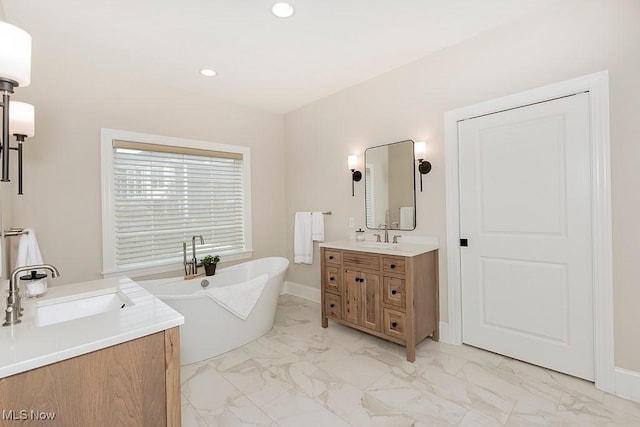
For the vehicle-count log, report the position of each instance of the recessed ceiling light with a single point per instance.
(282, 10)
(208, 72)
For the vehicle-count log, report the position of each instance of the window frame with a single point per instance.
(107, 136)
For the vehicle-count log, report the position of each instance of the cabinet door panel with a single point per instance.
(353, 294)
(371, 291)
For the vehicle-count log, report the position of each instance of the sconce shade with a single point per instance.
(420, 150)
(21, 119)
(353, 162)
(15, 54)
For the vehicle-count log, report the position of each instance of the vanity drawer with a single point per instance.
(393, 265)
(334, 279)
(394, 324)
(332, 257)
(333, 305)
(362, 260)
(393, 291)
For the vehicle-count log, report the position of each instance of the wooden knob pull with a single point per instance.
(330, 256)
(394, 324)
(332, 278)
(392, 266)
(393, 292)
(332, 305)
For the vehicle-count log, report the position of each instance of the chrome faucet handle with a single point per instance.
(395, 238)
(378, 238)
(11, 316)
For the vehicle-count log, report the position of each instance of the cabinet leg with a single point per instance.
(411, 353)
(325, 322)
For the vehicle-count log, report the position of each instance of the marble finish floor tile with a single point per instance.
(300, 374)
(190, 417)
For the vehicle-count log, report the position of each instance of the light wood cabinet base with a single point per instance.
(136, 383)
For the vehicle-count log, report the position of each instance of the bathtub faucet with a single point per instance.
(194, 260)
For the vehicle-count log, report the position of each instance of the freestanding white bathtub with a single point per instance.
(209, 329)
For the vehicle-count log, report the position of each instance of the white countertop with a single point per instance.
(407, 248)
(26, 346)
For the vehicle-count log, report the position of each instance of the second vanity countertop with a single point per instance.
(26, 345)
(408, 248)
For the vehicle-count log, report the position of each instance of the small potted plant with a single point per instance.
(209, 262)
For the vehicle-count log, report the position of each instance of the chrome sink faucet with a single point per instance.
(12, 312)
(386, 232)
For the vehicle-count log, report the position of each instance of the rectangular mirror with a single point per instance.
(390, 191)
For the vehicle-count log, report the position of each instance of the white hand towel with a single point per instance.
(239, 299)
(302, 240)
(317, 226)
(29, 254)
(28, 249)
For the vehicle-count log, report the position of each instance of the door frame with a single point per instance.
(597, 85)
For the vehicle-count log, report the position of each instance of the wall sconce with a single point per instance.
(21, 125)
(355, 174)
(15, 70)
(424, 167)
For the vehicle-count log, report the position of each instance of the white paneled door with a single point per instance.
(525, 211)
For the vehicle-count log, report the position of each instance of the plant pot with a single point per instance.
(210, 269)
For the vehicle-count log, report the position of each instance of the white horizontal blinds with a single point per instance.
(165, 195)
(368, 191)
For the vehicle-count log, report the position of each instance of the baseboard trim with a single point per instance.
(445, 336)
(302, 291)
(627, 384)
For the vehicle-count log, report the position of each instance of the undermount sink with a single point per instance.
(58, 310)
(378, 245)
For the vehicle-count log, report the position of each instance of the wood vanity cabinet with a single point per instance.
(136, 383)
(391, 297)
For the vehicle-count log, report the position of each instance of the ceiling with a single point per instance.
(262, 61)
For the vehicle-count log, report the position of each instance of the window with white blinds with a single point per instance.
(162, 196)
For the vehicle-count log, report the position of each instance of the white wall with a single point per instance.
(574, 39)
(62, 162)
